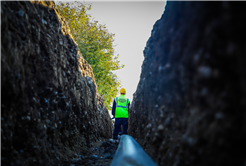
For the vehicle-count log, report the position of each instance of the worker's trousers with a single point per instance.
(117, 126)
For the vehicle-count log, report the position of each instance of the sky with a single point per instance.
(131, 22)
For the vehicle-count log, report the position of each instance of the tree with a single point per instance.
(96, 45)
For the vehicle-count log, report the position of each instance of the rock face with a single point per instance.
(189, 107)
(50, 108)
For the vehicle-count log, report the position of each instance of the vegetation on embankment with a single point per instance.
(96, 45)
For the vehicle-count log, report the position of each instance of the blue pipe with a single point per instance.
(130, 153)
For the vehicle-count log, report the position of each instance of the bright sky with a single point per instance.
(131, 22)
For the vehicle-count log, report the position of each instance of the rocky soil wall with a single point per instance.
(50, 108)
(189, 107)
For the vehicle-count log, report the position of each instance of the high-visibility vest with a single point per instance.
(121, 110)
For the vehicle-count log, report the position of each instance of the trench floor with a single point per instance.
(101, 154)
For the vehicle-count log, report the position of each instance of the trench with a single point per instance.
(188, 109)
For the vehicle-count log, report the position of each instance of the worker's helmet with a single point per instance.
(122, 90)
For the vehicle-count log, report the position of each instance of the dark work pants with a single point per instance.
(117, 126)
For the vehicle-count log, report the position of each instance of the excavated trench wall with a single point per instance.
(50, 108)
(189, 107)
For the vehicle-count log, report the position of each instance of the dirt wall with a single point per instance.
(50, 108)
(189, 107)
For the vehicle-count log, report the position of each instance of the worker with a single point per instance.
(120, 111)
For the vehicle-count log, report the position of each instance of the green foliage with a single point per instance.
(96, 45)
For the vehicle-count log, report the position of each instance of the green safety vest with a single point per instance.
(121, 110)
